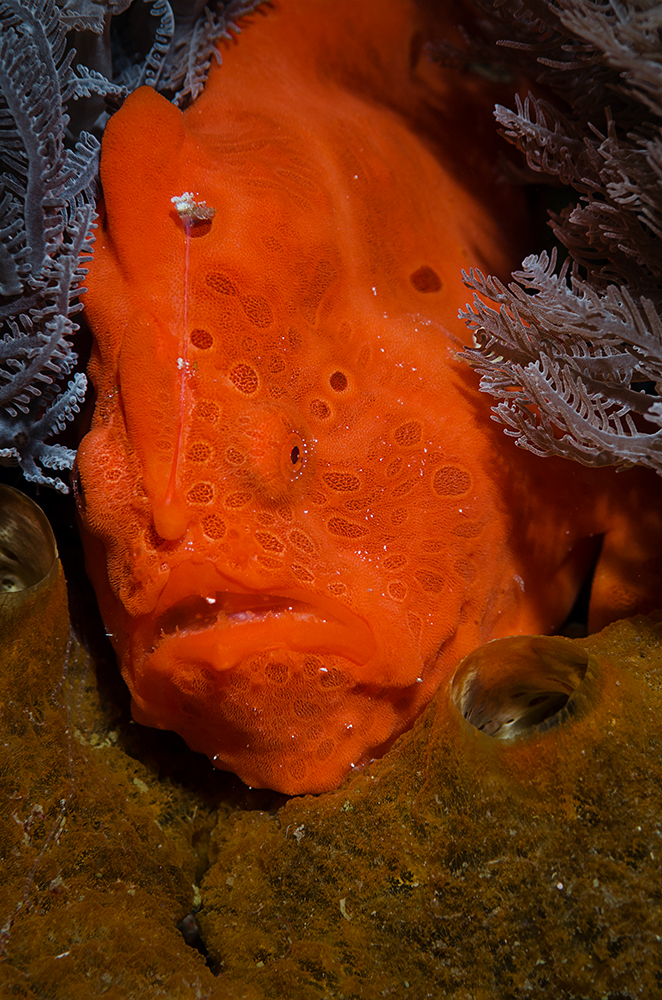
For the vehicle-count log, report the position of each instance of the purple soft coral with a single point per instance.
(575, 357)
(47, 218)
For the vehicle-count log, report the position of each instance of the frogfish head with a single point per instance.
(286, 491)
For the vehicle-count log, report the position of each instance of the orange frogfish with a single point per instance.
(298, 514)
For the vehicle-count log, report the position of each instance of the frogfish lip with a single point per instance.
(225, 626)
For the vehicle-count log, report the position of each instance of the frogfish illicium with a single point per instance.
(298, 514)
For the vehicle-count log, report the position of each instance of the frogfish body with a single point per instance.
(298, 515)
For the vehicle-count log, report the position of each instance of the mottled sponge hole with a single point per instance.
(433, 583)
(277, 364)
(270, 542)
(319, 409)
(408, 435)
(201, 493)
(338, 381)
(255, 307)
(395, 562)
(343, 528)
(214, 526)
(206, 410)
(199, 451)
(257, 310)
(245, 379)
(342, 482)
(221, 283)
(301, 541)
(425, 279)
(237, 500)
(279, 668)
(451, 481)
(201, 339)
(302, 574)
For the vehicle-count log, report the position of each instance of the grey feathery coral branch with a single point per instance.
(574, 358)
(184, 40)
(615, 229)
(46, 223)
(565, 358)
(196, 48)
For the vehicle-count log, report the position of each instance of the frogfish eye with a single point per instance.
(293, 455)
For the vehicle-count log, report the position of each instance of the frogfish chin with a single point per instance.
(297, 513)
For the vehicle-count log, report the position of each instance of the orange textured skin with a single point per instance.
(298, 514)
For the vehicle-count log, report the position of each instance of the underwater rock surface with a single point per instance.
(97, 859)
(462, 865)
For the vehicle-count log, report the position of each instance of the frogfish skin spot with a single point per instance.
(298, 515)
